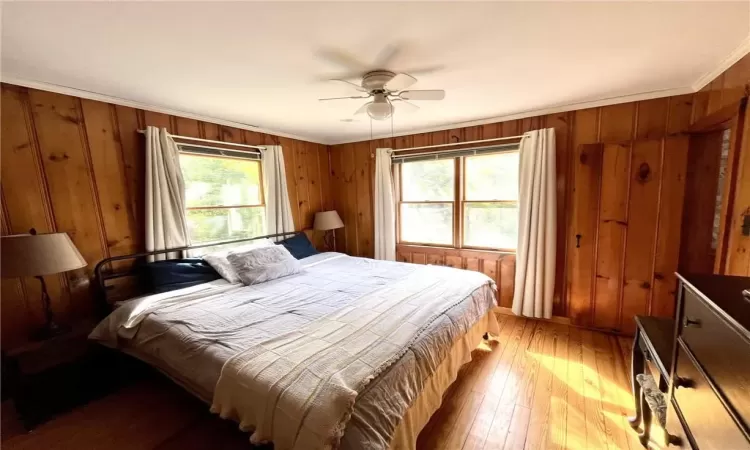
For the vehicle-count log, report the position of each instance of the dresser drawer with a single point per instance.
(710, 423)
(721, 351)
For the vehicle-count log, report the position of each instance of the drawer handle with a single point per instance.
(688, 322)
(683, 382)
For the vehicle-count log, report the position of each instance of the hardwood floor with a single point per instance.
(541, 385)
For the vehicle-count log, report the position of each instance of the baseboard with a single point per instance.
(555, 319)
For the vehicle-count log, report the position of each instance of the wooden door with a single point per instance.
(625, 231)
(584, 224)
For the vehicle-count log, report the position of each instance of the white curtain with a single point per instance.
(537, 222)
(385, 208)
(278, 209)
(166, 223)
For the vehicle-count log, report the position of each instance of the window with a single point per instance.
(463, 201)
(223, 196)
(427, 197)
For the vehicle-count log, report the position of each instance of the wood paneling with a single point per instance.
(22, 168)
(613, 272)
(77, 166)
(584, 214)
(72, 188)
(109, 169)
(644, 205)
(612, 229)
(670, 214)
(498, 266)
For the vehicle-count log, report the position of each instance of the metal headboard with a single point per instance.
(139, 259)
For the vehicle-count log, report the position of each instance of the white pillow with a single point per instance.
(263, 264)
(218, 260)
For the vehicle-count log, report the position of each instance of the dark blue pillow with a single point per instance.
(179, 273)
(299, 246)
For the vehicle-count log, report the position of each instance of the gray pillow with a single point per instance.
(263, 264)
(218, 259)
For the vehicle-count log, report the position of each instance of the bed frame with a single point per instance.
(130, 277)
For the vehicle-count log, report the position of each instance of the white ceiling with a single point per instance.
(260, 64)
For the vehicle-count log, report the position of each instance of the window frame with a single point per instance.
(458, 204)
(262, 193)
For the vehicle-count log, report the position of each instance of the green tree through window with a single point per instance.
(487, 201)
(223, 196)
(427, 194)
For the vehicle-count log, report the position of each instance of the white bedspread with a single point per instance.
(190, 334)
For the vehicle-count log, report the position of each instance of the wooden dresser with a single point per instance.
(709, 392)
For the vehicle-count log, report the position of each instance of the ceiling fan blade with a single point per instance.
(349, 83)
(340, 76)
(362, 109)
(424, 70)
(400, 82)
(343, 58)
(423, 95)
(386, 56)
(342, 98)
(404, 105)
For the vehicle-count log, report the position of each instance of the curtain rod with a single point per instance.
(458, 143)
(502, 149)
(256, 147)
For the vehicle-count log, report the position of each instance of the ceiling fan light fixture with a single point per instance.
(380, 110)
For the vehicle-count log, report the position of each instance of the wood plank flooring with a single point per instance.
(540, 385)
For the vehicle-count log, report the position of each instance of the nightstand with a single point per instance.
(50, 377)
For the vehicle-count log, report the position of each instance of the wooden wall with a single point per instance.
(628, 268)
(77, 165)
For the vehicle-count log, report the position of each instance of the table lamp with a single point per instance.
(36, 255)
(326, 221)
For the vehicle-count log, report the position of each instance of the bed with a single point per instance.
(191, 334)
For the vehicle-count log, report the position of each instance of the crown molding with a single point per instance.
(537, 112)
(75, 92)
(736, 54)
(740, 51)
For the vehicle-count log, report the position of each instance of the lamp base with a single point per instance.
(329, 239)
(49, 331)
(51, 328)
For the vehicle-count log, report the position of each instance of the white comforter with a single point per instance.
(192, 333)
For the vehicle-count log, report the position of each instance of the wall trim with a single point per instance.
(740, 51)
(736, 54)
(75, 92)
(538, 112)
(505, 311)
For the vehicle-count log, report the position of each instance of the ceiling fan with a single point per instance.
(386, 88)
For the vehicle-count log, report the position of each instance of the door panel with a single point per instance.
(625, 232)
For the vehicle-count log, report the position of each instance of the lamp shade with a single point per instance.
(327, 220)
(38, 254)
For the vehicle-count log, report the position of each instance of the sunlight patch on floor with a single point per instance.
(605, 385)
(484, 346)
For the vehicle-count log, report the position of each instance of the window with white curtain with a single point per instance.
(223, 197)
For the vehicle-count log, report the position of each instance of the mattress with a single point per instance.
(189, 334)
